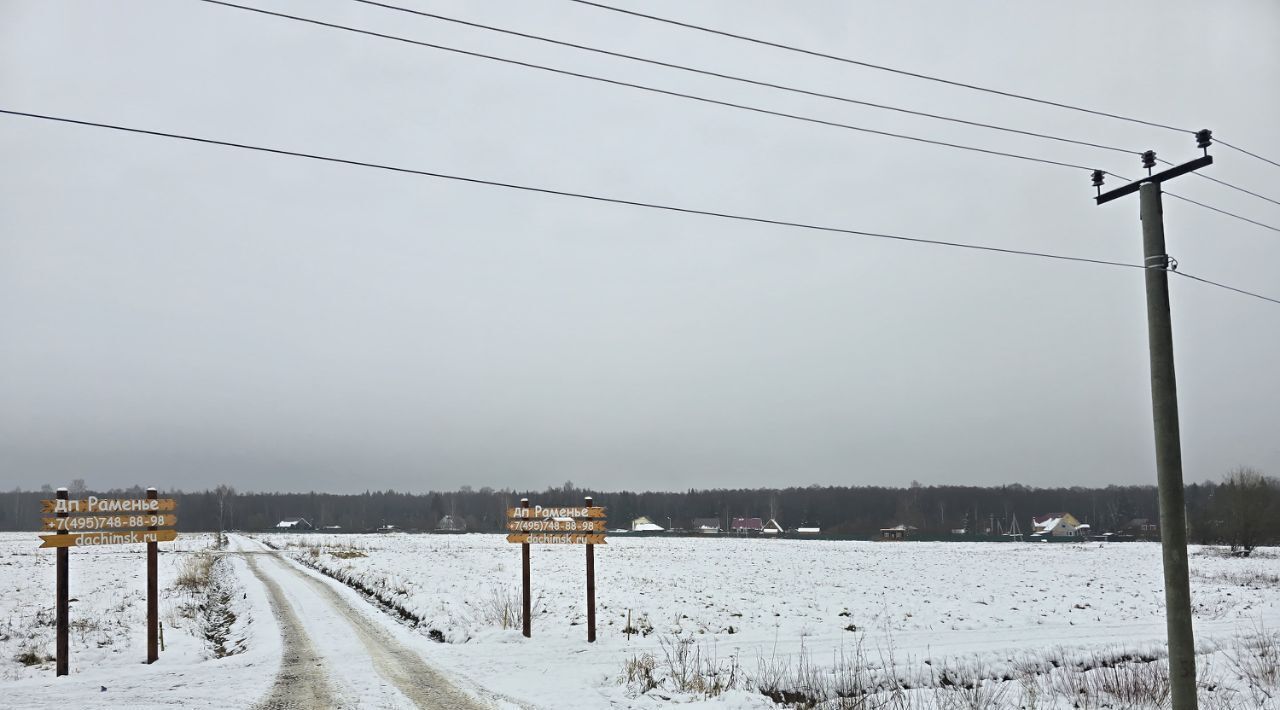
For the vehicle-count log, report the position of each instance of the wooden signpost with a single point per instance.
(106, 521)
(584, 525)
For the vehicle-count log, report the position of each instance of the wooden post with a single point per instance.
(153, 595)
(64, 596)
(527, 598)
(591, 587)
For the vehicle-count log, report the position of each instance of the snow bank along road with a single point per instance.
(336, 652)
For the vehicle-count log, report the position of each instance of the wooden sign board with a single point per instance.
(537, 511)
(557, 538)
(115, 537)
(556, 525)
(110, 522)
(94, 504)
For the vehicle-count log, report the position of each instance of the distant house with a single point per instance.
(1055, 525)
(771, 528)
(386, 528)
(332, 528)
(747, 526)
(294, 524)
(1141, 527)
(808, 530)
(643, 524)
(451, 525)
(897, 532)
(706, 526)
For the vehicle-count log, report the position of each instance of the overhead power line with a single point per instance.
(904, 72)
(783, 87)
(1223, 212)
(1224, 183)
(677, 94)
(878, 67)
(651, 89)
(595, 198)
(745, 80)
(1242, 150)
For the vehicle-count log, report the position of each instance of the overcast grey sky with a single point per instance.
(183, 315)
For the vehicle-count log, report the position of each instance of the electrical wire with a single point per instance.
(1222, 211)
(745, 80)
(600, 198)
(1236, 187)
(652, 89)
(904, 72)
(1219, 141)
(791, 89)
(879, 67)
(1229, 288)
(693, 97)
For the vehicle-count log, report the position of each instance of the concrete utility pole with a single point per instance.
(1164, 407)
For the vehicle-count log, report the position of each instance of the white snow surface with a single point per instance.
(757, 600)
(760, 599)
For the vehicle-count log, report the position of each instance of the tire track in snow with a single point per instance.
(302, 682)
(398, 664)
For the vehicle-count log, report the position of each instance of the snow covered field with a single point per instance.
(764, 603)
(785, 616)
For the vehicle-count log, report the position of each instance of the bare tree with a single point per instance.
(1243, 506)
(224, 492)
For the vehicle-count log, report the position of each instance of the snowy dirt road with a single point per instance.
(337, 654)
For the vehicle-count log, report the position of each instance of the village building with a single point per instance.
(706, 526)
(1141, 528)
(808, 530)
(294, 524)
(897, 532)
(747, 526)
(1055, 525)
(643, 524)
(771, 528)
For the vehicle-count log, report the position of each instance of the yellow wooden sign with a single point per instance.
(113, 537)
(109, 522)
(534, 512)
(94, 504)
(556, 525)
(557, 538)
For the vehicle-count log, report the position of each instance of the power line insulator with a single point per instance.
(1149, 160)
(1098, 177)
(1204, 138)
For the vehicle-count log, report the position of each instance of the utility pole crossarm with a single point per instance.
(1160, 177)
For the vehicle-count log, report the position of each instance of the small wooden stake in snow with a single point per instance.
(63, 600)
(527, 598)
(591, 586)
(153, 595)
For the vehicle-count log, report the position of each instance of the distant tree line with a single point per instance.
(1243, 509)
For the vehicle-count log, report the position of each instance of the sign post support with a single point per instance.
(153, 595)
(64, 595)
(527, 597)
(591, 586)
